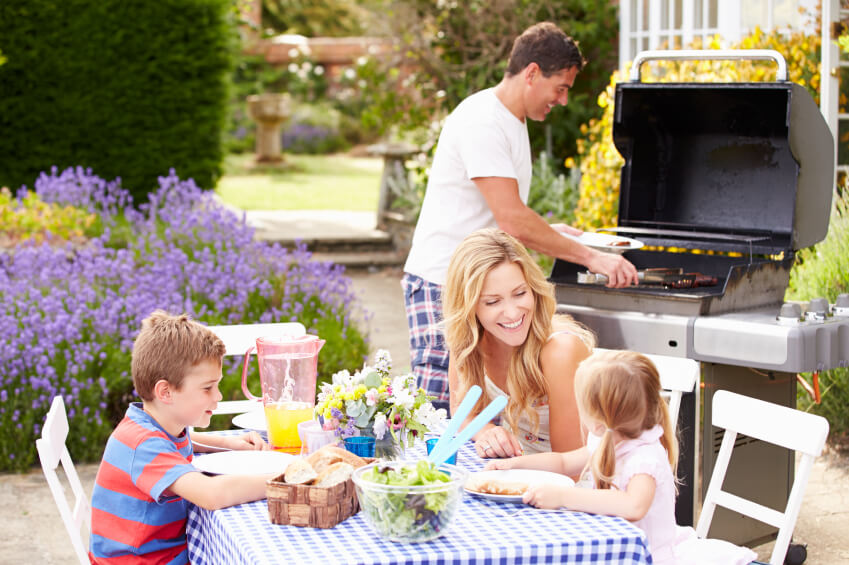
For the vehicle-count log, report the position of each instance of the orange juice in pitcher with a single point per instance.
(283, 419)
(287, 373)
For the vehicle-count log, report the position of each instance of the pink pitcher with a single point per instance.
(287, 374)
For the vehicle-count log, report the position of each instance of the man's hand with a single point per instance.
(619, 271)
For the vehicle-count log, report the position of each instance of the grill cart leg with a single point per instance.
(760, 471)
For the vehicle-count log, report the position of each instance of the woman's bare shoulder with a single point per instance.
(563, 348)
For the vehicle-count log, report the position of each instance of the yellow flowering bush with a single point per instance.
(32, 220)
(600, 162)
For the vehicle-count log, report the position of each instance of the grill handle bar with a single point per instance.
(709, 54)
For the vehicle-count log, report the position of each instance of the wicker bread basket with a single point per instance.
(310, 506)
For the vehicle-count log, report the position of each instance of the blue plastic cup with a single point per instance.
(432, 442)
(360, 445)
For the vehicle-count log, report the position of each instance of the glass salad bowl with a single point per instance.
(409, 501)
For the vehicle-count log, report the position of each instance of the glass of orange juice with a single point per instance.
(283, 419)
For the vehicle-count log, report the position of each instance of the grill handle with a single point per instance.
(709, 54)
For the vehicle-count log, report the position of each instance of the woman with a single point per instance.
(498, 313)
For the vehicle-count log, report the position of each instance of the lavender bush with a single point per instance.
(69, 315)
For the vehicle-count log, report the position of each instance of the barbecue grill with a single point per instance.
(728, 180)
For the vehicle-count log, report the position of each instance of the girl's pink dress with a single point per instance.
(669, 543)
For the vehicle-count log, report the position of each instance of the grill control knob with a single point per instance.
(841, 305)
(790, 314)
(817, 310)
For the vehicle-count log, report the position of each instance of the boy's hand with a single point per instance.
(545, 496)
(250, 441)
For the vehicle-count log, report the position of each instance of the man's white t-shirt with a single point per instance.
(480, 138)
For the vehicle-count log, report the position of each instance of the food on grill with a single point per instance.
(492, 486)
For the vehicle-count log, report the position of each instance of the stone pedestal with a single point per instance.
(270, 111)
(395, 156)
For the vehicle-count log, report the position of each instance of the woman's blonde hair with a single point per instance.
(621, 390)
(478, 254)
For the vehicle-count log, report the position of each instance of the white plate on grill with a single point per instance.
(514, 476)
(606, 242)
(253, 420)
(243, 462)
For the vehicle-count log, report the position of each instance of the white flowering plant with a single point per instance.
(371, 402)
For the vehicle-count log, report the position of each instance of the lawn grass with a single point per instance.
(303, 182)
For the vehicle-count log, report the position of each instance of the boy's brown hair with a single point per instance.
(546, 45)
(167, 346)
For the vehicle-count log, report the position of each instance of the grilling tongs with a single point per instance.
(669, 277)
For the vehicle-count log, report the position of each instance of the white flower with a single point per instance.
(350, 74)
(382, 361)
(402, 398)
(400, 382)
(326, 392)
(342, 377)
(294, 53)
(428, 416)
(293, 68)
(319, 70)
(362, 60)
(307, 66)
(372, 396)
(379, 426)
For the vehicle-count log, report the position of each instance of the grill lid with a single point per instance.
(726, 166)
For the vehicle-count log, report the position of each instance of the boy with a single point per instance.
(146, 476)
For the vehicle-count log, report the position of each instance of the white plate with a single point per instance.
(529, 476)
(243, 462)
(253, 420)
(605, 241)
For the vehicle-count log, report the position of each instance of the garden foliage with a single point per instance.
(68, 316)
(127, 88)
(446, 51)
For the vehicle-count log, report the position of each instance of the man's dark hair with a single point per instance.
(546, 45)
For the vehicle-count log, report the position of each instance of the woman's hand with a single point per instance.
(495, 441)
(250, 441)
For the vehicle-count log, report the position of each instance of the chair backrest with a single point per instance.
(677, 376)
(771, 423)
(52, 451)
(238, 339)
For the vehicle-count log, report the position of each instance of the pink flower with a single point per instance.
(372, 396)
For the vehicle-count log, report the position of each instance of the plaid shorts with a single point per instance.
(428, 354)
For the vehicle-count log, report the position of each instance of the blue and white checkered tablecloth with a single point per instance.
(482, 531)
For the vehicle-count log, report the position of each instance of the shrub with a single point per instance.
(445, 51)
(129, 88)
(33, 221)
(68, 317)
(313, 128)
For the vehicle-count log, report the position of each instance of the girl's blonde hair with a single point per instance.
(478, 254)
(621, 390)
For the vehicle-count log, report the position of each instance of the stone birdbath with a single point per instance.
(270, 111)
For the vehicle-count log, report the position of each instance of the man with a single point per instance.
(480, 177)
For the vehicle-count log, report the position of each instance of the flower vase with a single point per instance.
(388, 447)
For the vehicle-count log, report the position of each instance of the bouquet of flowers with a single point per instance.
(371, 402)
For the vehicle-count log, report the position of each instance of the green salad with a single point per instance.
(418, 513)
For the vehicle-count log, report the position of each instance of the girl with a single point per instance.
(632, 453)
(498, 310)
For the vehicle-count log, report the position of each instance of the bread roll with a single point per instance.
(330, 454)
(299, 472)
(334, 474)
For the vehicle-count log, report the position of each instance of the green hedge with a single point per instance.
(131, 89)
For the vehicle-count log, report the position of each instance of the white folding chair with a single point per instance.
(677, 376)
(52, 451)
(771, 423)
(237, 339)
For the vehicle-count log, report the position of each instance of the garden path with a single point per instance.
(33, 532)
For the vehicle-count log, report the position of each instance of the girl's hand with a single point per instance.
(549, 497)
(498, 464)
(495, 441)
(250, 441)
